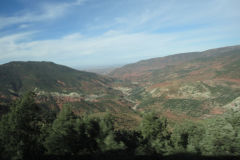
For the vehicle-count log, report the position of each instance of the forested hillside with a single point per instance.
(57, 85)
(29, 131)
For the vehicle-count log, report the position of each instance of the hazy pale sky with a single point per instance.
(108, 32)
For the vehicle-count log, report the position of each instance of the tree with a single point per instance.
(61, 137)
(87, 131)
(155, 131)
(233, 118)
(219, 138)
(187, 136)
(130, 138)
(20, 129)
(106, 139)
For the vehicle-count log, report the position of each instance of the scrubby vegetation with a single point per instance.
(190, 106)
(28, 131)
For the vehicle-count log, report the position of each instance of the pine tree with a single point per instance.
(20, 129)
(155, 131)
(187, 136)
(107, 140)
(61, 138)
(218, 139)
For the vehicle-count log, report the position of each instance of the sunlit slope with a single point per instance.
(196, 84)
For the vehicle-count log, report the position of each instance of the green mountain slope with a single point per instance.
(22, 76)
(56, 85)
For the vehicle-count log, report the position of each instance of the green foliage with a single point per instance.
(138, 93)
(148, 101)
(233, 117)
(20, 129)
(71, 135)
(155, 131)
(87, 132)
(222, 135)
(186, 137)
(48, 76)
(190, 106)
(218, 139)
(131, 139)
(61, 138)
(223, 94)
(106, 139)
(30, 132)
(218, 136)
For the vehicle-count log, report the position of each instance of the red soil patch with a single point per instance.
(177, 117)
(217, 66)
(200, 72)
(3, 96)
(61, 83)
(197, 72)
(68, 99)
(163, 84)
(228, 80)
(136, 75)
(217, 111)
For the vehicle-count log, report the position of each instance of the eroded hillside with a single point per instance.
(189, 85)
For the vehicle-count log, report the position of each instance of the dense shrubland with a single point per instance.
(28, 131)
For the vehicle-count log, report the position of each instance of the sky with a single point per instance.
(90, 33)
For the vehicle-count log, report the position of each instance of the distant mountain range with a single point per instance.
(102, 70)
(192, 85)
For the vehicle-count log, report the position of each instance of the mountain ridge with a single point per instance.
(57, 85)
(195, 84)
(191, 85)
(161, 62)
